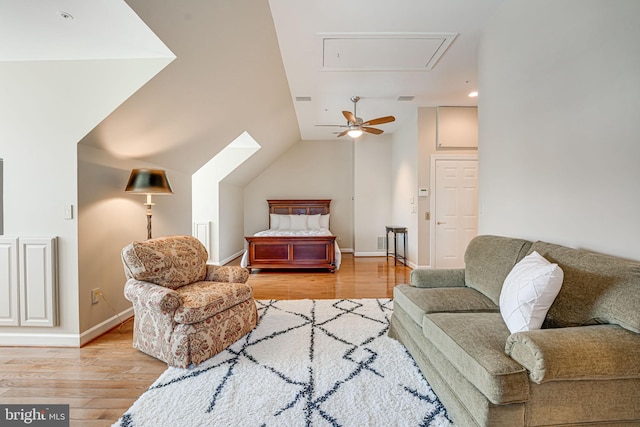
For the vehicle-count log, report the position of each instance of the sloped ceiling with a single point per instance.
(241, 64)
(227, 78)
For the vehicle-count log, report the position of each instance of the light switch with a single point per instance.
(68, 212)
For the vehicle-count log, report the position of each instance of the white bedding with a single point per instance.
(295, 233)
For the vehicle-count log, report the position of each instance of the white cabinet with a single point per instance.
(457, 127)
(28, 281)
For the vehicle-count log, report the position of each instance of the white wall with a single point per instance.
(309, 170)
(405, 166)
(47, 107)
(558, 112)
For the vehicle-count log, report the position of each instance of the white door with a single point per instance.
(455, 209)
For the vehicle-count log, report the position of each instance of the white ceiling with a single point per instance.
(241, 64)
(301, 27)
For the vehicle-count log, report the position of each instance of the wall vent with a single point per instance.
(303, 98)
(382, 242)
(406, 98)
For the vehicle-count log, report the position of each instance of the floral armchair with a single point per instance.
(186, 311)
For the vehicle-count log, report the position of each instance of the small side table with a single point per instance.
(396, 229)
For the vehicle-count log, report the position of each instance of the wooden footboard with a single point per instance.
(292, 252)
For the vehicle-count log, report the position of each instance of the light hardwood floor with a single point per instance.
(101, 380)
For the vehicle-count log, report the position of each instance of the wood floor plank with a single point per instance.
(101, 380)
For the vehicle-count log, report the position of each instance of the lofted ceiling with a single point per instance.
(378, 50)
(272, 68)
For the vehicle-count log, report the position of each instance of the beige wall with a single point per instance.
(372, 192)
(309, 170)
(558, 112)
(109, 219)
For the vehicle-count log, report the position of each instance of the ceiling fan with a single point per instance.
(356, 126)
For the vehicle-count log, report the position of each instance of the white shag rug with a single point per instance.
(308, 363)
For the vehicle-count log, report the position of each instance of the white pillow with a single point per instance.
(324, 221)
(274, 221)
(313, 222)
(528, 292)
(298, 222)
(285, 222)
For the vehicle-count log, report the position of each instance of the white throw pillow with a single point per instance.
(274, 221)
(324, 221)
(313, 222)
(298, 222)
(285, 222)
(528, 292)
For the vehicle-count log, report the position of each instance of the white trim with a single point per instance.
(23, 339)
(228, 259)
(432, 201)
(357, 254)
(106, 326)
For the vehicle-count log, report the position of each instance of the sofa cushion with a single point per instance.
(474, 344)
(596, 288)
(419, 301)
(202, 300)
(170, 261)
(528, 292)
(488, 261)
(559, 354)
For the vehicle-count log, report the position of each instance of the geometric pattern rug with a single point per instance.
(308, 363)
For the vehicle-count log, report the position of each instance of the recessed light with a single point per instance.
(473, 94)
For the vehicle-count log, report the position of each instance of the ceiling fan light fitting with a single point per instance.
(355, 133)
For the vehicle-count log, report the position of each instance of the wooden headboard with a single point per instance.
(299, 207)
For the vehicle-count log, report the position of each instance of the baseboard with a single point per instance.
(228, 259)
(20, 339)
(25, 339)
(357, 254)
(101, 328)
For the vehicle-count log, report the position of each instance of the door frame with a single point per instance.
(432, 199)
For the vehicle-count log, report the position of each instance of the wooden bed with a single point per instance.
(293, 252)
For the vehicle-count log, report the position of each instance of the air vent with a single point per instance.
(382, 242)
(406, 98)
(303, 98)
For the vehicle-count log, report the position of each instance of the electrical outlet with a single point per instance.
(95, 293)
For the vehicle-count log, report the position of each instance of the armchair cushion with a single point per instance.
(171, 261)
(202, 300)
(224, 273)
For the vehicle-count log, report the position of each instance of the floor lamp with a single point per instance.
(148, 181)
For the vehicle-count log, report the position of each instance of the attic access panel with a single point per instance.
(384, 51)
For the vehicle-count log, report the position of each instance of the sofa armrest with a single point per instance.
(227, 273)
(151, 296)
(437, 278)
(595, 352)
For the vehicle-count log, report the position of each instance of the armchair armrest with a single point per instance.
(577, 353)
(151, 296)
(227, 273)
(437, 278)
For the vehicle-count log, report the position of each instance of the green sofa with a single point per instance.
(581, 368)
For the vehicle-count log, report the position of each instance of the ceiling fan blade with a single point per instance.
(349, 116)
(343, 133)
(372, 130)
(380, 120)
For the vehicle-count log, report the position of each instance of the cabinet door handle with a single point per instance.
(440, 222)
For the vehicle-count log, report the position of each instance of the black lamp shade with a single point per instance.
(149, 181)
